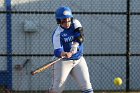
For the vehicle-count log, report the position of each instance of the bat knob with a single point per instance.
(32, 73)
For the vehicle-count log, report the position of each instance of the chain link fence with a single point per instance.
(111, 48)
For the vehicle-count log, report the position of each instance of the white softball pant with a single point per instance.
(77, 69)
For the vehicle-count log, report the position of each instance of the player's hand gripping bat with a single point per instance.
(46, 66)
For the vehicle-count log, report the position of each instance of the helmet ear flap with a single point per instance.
(58, 21)
(72, 20)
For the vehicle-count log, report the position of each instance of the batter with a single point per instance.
(68, 41)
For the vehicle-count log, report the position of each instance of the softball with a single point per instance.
(118, 81)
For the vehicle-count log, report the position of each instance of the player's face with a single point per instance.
(66, 23)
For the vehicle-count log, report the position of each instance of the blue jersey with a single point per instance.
(63, 39)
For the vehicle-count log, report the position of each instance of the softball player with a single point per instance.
(68, 40)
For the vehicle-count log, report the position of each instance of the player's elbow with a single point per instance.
(80, 39)
(57, 52)
(79, 35)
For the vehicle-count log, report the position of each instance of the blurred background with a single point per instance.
(111, 48)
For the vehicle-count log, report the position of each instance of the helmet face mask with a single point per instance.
(63, 13)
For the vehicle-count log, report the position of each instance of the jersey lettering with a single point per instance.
(68, 39)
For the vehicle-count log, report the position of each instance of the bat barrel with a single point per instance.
(46, 66)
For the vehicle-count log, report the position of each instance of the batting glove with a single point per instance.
(74, 47)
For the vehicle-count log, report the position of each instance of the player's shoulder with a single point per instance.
(58, 30)
(77, 23)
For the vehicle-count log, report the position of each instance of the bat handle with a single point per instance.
(32, 73)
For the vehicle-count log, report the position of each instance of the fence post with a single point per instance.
(9, 44)
(128, 47)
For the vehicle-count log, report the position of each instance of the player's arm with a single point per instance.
(78, 39)
(60, 53)
(57, 43)
(78, 32)
(79, 35)
(58, 48)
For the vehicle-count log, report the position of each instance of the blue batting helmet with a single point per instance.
(63, 12)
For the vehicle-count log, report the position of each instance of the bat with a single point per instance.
(45, 66)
